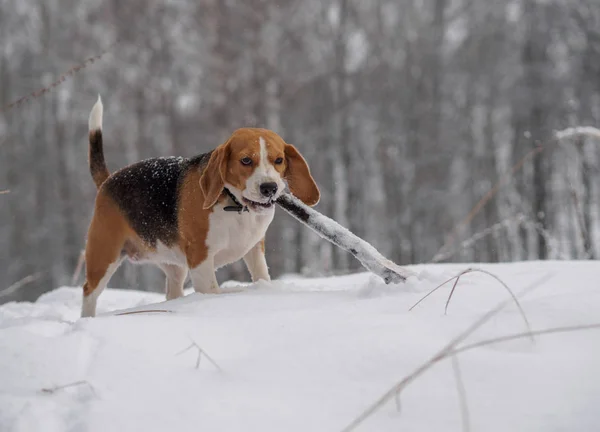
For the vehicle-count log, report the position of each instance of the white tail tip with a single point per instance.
(95, 121)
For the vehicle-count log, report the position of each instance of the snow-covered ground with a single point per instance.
(306, 355)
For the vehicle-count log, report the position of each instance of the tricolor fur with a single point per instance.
(170, 211)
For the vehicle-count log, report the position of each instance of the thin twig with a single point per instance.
(444, 354)
(559, 138)
(473, 270)
(20, 283)
(484, 200)
(491, 230)
(512, 294)
(5, 191)
(515, 336)
(54, 389)
(434, 290)
(200, 352)
(398, 402)
(462, 394)
(551, 241)
(450, 296)
(144, 311)
(447, 350)
(59, 81)
(78, 268)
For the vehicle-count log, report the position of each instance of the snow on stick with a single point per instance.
(575, 132)
(330, 230)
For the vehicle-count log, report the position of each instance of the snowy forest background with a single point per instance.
(408, 111)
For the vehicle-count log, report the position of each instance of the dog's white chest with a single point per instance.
(232, 235)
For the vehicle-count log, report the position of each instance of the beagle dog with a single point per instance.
(195, 214)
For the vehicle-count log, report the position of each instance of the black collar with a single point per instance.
(238, 207)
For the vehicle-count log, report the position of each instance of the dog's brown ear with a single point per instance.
(212, 180)
(299, 180)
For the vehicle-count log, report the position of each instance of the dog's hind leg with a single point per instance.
(106, 238)
(94, 285)
(175, 279)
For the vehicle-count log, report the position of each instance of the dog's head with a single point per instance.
(255, 165)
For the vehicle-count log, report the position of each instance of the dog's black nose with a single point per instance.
(268, 189)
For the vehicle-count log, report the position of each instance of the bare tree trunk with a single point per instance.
(535, 62)
(587, 86)
(339, 153)
(491, 209)
(587, 171)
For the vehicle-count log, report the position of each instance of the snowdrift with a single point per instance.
(306, 355)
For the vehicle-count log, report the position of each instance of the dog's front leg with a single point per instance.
(256, 262)
(203, 277)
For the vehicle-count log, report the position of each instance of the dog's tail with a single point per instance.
(96, 153)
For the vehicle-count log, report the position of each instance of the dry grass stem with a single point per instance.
(474, 270)
(450, 296)
(144, 311)
(446, 351)
(5, 191)
(78, 268)
(434, 290)
(20, 283)
(471, 241)
(560, 137)
(51, 390)
(200, 352)
(533, 333)
(485, 199)
(462, 394)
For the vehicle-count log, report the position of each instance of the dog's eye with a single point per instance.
(246, 161)
(278, 161)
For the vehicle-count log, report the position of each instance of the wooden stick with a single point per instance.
(331, 231)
